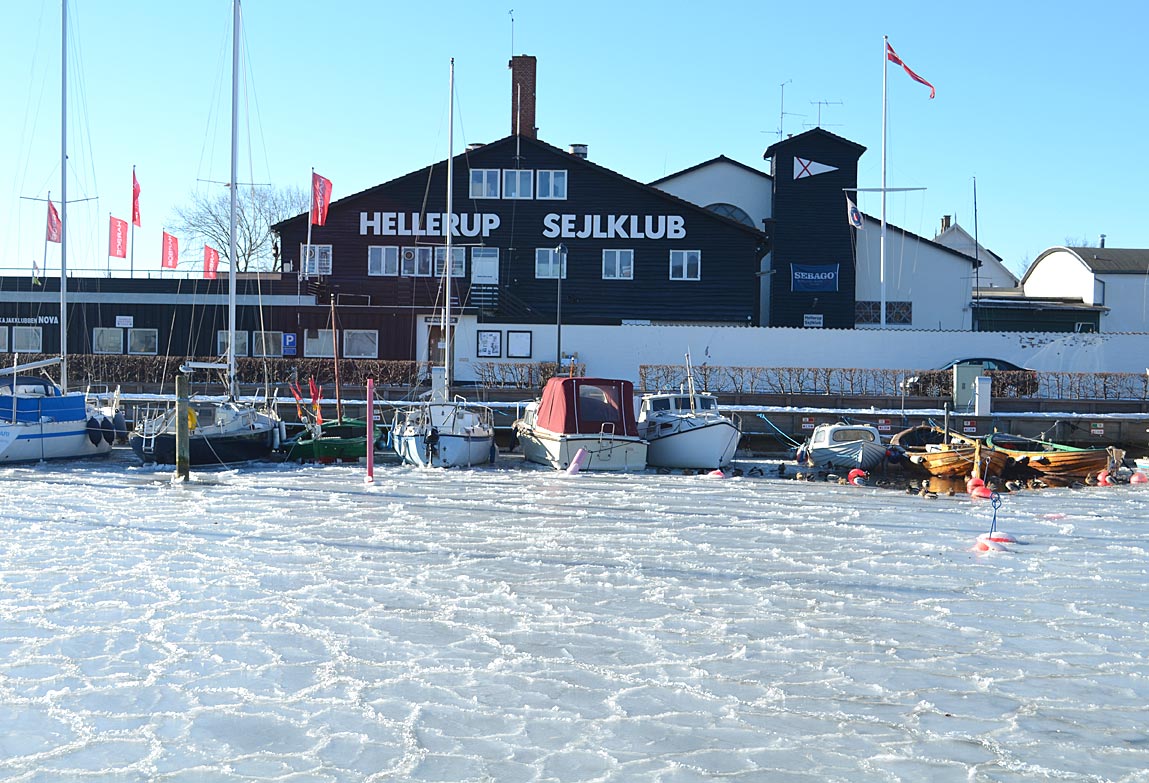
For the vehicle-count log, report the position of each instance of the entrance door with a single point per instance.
(436, 344)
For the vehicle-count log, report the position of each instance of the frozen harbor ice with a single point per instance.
(286, 623)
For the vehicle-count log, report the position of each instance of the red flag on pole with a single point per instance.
(54, 227)
(320, 198)
(170, 259)
(117, 237)
(210, 262)
(135, 199)
(892, 56)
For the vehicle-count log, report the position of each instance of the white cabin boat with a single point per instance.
(687, 431)
(456, 434)
(843, 446)
(595, 414)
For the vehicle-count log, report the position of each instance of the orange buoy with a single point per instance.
(857, 476)
(1103, 479)
(974, 481)
(980, 491)
(1138, 478)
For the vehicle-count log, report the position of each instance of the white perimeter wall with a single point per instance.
(617, 351)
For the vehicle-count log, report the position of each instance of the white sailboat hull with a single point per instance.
(444, 435)
(691, 442)
(49, 440)
(604, 451)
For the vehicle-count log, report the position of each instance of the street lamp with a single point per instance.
(561, 252)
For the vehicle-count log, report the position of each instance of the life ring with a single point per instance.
(857, 476)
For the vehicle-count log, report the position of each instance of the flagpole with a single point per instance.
(64, 198)
(303, 273)
(882, 240)
(132, 262)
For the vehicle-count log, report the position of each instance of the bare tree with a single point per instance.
(1080, 242)
(208, 218)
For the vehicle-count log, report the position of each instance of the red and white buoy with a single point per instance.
(994, 542)
(857, 477)
(1138, 478)
(716, 474)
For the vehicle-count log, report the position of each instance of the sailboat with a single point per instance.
(238, 431)
(443, 432)
(39, 419)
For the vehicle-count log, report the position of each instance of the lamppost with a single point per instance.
(561, 252)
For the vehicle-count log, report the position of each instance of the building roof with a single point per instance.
(773, 148)
(712, 161)
(1112, 260)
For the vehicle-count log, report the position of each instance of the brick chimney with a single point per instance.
(523, 96)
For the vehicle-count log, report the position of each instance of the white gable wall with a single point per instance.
(724, 182)
(1060, 273)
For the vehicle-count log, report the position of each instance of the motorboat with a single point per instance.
(578, 413)
(843, 445)
(444, 434)
(686, 430)
(38, 421)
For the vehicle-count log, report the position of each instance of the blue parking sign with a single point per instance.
(288, 344)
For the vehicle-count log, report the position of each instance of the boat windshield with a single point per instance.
(842, 436)
(598, 403)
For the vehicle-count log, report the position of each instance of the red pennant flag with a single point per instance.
(117, 237)
(55, 228)
(893, 57)
(170, 258)
(316, 395)
(320, 198)
(135, 199)
(210, 262)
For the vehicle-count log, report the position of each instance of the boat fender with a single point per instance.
(579, 460)
(494, 455)
(94, 434)
(857, 477)
(120, 426)
(276, 438)
(1138, 478)
(108, 430)
(716, 473)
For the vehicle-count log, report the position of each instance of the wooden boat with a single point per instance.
(949, 454)
(843, 446)
(596, 414)
(1053, 460)
(343, 440)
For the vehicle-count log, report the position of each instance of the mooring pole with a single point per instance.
(371, 429)
(182, 461)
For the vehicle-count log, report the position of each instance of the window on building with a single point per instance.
(897, 313)
(685, 264)
(552, 184)
(241, 343)
(360, 344)
(618, 265)
(107, 339)
(484, 183)
(27, 339)
(867, 313)
(318, 259)
(319, 343)
(458, 261)
(3, 339)
(143, 342)
(416, 261)
(383, 260)
(267, 343)
(547, 263)
(732, 212)
(518, 183)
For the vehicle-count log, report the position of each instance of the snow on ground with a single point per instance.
(288, 623)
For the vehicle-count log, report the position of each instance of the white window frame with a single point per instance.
(352, 337)
(317, 263)
(261, 341)
(383, 260)
(683, 257)
(103, 337)
(152, 337)
(242, 343)
(458, 262)
(321, 346)
(480, 257)
(614, 259)
(416, 261)
(546, 267)
(482, 181)
(516, 181)
(3, 339)
(551, 192)
(27, 339)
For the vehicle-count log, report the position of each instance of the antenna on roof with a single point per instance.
(511, 13)
(820, 104)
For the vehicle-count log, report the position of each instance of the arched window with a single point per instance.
(732, 212)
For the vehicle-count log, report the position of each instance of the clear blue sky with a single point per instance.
(1044, 105)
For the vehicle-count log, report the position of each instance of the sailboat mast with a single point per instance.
(450, 211)
(231, 380)
(882, 241)
(63, 197)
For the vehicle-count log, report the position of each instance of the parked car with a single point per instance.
(1009, 380)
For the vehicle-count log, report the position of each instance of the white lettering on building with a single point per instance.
(614, 226)
(432, 224)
